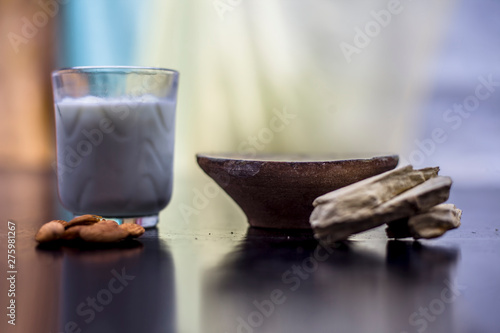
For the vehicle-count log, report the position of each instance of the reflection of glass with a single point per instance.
(115, 140)
(126, 289)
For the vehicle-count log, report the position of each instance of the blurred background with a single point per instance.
(363, 76)
(416, 78)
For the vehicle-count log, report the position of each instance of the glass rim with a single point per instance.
(113, 69)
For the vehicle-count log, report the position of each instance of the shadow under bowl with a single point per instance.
(277, 191)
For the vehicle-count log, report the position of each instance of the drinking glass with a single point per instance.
(115, 140)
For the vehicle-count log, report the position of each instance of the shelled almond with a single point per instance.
(87, 228)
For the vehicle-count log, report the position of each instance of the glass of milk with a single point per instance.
(115, 130)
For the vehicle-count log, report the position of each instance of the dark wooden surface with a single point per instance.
(208, 273)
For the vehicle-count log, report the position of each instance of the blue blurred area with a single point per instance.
(470, 51)
(99, 33)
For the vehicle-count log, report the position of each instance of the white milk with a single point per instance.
(115, 156)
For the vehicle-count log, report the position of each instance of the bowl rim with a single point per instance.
(222, 157)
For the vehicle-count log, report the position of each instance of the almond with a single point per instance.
(64, 223)
(103, 233)
(84, 220)
(73, 232)
(49, 232)
(134, 230)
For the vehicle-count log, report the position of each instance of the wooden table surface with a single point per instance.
(208, 272)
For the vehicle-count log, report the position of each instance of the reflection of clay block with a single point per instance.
(374, 201)
(430, 224)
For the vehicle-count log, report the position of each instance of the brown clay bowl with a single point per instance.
(277, 191)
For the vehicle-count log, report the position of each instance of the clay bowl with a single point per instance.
(277, 191)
